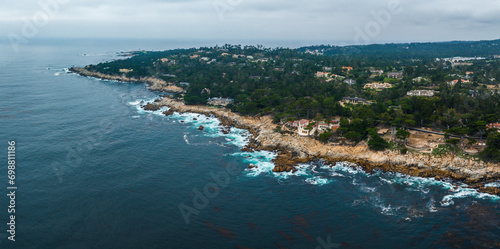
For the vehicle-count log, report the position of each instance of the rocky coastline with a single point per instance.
(293, 149)
(154, 84)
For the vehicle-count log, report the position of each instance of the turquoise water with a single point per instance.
(94, 170)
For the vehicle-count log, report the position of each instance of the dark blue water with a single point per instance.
(96, 171)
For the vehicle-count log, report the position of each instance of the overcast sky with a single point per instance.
(351, 21)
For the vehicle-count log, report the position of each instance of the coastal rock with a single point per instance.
(151, 107)
(169, 112)
(201, 128)
(251, 166)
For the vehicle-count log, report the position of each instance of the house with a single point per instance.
(219, 101)
(494, 126)
(377, 86)
(303, 128)
(395, 75)
(164, 60)
(355, 101)
(323, 126)
(376, 72)
(320, 74)
(124, 70)
(418, 79)
(194, 56)
(454, 82)
(421, 93)
(347, 68)
(350, 81)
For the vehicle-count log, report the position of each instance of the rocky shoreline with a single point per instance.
(293, 149)
(154, 84)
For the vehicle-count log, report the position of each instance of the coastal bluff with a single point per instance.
(293, 149)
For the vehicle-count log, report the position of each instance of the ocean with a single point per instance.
(95, 170)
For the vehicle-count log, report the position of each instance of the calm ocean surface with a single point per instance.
(96, 171)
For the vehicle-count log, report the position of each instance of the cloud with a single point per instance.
(316, 20)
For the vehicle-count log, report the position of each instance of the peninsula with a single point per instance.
(395, 107)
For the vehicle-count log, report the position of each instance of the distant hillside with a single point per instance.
(404, 51)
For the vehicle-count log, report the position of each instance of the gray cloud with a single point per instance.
(316, 20)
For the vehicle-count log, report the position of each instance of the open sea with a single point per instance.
(94, 170)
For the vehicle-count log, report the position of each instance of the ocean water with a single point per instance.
(94, 170)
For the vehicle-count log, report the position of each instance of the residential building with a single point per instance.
(303, 128)
(377, 86)
(347, 68)
(124, 70)
(355, 100)
(320, 74)
(494, 126)
(421, 93)
(376, 72)
(395, 75)
(350, 81)
(219, 101)
(418, 79)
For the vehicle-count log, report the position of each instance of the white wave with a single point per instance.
(185, 139)
(57, 74)
(317, 180)
(387, 209)
(493, 184)
(461, 192)
(431, 206)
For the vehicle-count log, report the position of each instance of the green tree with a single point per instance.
(376, 142)
(453, 142)
(492, 150)
(403, 135)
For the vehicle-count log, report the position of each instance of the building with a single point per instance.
(419, 79)
(355, 101)
(320, 74)
(395, 75)
(454, 82)
(421, 93)
(377, 86)
(124, 70)
(494, 126)
(303, 130)
(376, 72)
(323, 126)
(350, 81)
(219, 101)
(347, 68)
